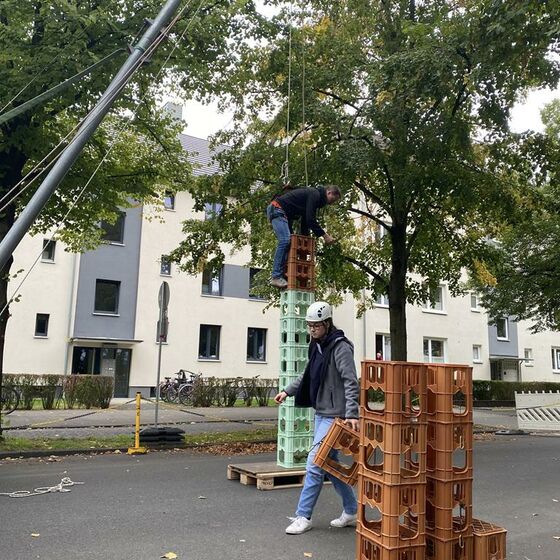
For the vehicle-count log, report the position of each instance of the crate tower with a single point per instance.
(295, 425)
(412, 462)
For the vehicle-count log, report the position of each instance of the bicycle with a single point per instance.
(168, 391)
(186, 389)
(9, 400)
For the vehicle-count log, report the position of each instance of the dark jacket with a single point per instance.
(338, 393)
(303, 203)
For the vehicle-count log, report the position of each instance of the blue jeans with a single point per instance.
(279, 221)
(314, 476)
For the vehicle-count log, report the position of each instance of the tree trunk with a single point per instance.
(12, 162)
(397, 293)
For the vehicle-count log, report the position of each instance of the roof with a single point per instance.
(201, 155)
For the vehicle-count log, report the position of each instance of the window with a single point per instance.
(434, 350)
(165, 266)
(114, 233)
(435, 303)
(169, 200)
(48, 250)
(502, 328)
(477, 353)
(382, 301)
(556, 360)
(107, 296)
(380, 233)
(475, 303)
(528, 355)
(212, 210)
(256, 345)
(253, 283)
(42, 324)
(209, 342)
(382, 347)
(212, 282)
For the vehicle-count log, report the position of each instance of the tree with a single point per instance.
(523, 278)
(405, 105)
(44, 43)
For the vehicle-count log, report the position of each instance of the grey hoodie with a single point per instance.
(339, 391)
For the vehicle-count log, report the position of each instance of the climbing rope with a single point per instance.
(285, 176)
(63, 486)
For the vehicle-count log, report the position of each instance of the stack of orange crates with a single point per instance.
(300, 267)
(449, 463)
(413, 463)
(392, 469)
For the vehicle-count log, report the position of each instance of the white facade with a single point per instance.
(453, 330)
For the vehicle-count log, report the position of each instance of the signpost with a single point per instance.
(162, 328)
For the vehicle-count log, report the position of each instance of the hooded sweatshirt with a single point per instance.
(329, 383)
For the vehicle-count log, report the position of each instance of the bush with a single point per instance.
(94, 390)
(205, 392)
(227, 392)
(484, 390)
(70, 390)
(49, 390)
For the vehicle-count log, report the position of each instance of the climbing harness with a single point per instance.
(63, 486)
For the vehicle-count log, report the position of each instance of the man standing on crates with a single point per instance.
(329, 384)
(284, 209)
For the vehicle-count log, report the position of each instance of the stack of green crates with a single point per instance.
(295, 425)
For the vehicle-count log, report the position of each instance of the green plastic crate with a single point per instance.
(295, 421)
(293, 450)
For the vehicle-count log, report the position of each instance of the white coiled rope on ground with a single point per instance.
(64, 485)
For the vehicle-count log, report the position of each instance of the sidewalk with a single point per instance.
(120, 418)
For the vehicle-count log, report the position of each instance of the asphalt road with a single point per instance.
(141, 507)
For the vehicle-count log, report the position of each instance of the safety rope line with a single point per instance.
(286, 165)
(63, 486)
(163, 404)
(303, 124)
(133, 69)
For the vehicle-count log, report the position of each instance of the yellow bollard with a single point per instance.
(137, 448)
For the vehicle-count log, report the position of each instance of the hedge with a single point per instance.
(505, 390)
(82, 390)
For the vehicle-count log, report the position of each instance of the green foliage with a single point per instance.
(405, 106)
(505, 390)
(44, 43)
(94, 390)
(523, 277)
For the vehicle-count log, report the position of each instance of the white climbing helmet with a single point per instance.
(318, 311)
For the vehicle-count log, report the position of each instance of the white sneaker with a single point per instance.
(344, 520)
(279, 283)
(299, 525)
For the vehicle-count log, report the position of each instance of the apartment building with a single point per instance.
(97, 312)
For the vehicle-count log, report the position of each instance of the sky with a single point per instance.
(204, 120)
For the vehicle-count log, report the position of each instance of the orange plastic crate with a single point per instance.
(449, 494)
(370, 549)
(449, 392)
(393, 391)
(344, 439)
(489, 541)
(302, 248)
(460, 548)
(391, 515)
(301, 276)
(450, 436)
(393, 453)
(449, 523)
(449, 465)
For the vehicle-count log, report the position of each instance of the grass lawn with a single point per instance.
(123, 441)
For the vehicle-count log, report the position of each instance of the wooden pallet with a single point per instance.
(266, 476)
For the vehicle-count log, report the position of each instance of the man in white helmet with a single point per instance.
(329, 384)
